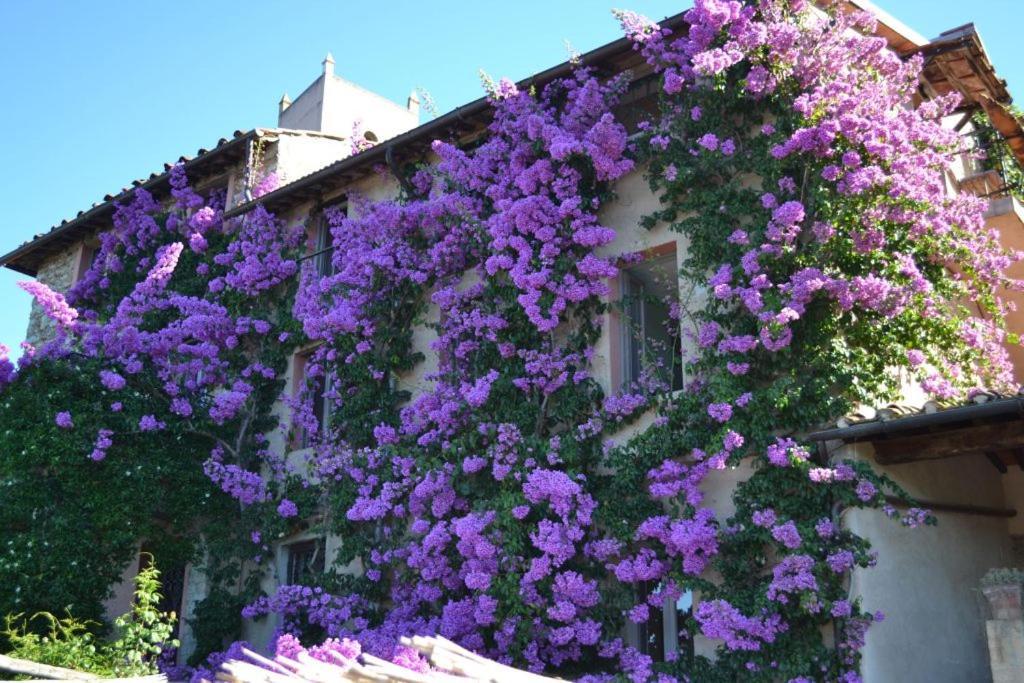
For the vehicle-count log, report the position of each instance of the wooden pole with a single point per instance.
(26, 668)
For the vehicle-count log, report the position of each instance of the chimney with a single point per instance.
(332, 105)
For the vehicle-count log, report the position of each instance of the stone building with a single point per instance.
(927, 578)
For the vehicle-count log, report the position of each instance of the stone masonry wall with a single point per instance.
(58, 273)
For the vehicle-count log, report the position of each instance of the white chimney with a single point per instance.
(333, 105)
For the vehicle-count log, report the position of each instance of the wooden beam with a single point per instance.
(951, 443)
(959, 508)
(996, 462)
(966, 118)
(26, 668)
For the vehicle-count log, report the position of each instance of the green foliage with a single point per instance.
(217, 618)
(69, 526)
(998, 155)
(143, 633)
(66, 642)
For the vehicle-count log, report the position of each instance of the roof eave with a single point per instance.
(938, 421)
(99, 215)
(299, 190)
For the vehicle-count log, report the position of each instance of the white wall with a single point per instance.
(196, 589)
(300, 155)
(334, 105)
(305, 112)
(122, 593)
(926, 578)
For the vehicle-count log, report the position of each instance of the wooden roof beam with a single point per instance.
(965, 441)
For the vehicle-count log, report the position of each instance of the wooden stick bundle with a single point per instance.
(454, 664)
(45, 672)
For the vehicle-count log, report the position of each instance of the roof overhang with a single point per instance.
(994, 429)
(470, 118)
(955, 61)
(27, 258)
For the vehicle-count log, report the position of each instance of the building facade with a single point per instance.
(328, 144)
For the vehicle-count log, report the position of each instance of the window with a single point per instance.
(322, 247)
(321, 406)
(650, 336)
(320, 239)
(665, 632)
(86, 259)
(214, 190)
(640, 103)
(305, 561)
(318, 388)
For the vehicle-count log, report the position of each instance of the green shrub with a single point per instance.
(143, 633)
(66, 642)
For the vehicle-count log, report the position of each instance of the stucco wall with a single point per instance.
(300, 155)
(345, 104)
(304, 113)
(120, 599)
(926, 578)
(1006, 215)
(334, 105)
(195, 591)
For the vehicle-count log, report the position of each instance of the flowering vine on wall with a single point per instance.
(492, 508)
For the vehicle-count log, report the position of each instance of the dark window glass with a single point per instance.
(172, 582)
(666, 630)
(650, 335)
(640, 103)
(322, 248)
(321, 406)
(305, 561)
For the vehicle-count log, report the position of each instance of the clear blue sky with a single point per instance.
(96, 94)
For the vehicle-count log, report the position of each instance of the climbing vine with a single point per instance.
(69, 525)
(491, 497)
(156, 400)
(996, 154)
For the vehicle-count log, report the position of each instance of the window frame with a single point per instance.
(646, 638)
(301, 438)
(84, 259)
(315, 565)
(319, 236)
(626, 359)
